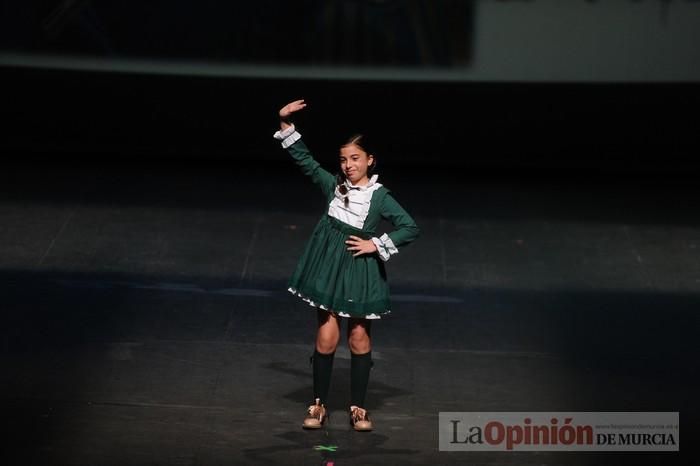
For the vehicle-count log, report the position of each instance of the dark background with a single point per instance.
(414, 33)
(63, 115)
(86, 116)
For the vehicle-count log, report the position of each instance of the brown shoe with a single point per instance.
(359, 418)
(315, 416)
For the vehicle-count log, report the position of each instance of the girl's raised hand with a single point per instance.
(362, 246)
(291, 107)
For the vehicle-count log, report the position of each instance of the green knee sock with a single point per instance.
(360, 365)
(322, 368)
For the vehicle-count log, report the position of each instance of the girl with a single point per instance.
(341, 271)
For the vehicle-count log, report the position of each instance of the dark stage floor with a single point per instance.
(146, 319)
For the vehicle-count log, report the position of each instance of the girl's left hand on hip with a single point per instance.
(361, 246)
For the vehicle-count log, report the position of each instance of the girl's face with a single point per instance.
(354, 162)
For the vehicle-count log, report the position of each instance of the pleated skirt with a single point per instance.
(327, 275)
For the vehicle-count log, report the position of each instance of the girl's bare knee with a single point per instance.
(326, 345)
(328, 334)
(357, 347)
(359, 339)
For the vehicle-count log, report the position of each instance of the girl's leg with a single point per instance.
(327, 337)
(359, 341)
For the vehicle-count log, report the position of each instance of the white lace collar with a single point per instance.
(353, 206)
(365, 187)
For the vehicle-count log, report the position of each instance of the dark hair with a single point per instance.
(359, 140)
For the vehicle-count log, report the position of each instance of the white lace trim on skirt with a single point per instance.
(340, 313)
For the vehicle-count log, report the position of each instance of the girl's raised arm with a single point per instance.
(291, 140)
(286, 113)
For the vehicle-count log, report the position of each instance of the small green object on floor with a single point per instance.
(325, 447)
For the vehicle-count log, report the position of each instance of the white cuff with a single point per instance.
(288, 137)
(385, 247)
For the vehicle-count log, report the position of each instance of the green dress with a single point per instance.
(327, 275)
